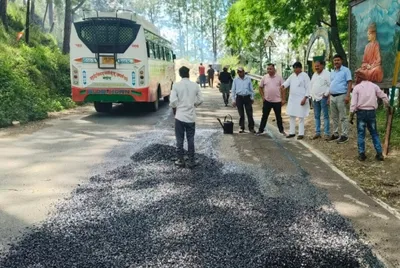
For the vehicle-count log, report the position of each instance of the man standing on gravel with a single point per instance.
(185, 98)
(340, 89)
(273, 97)
(320, 84)
(243, 99)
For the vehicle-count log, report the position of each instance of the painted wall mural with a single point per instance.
(374, 37)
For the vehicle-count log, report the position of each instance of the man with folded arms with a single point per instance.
(320, 83)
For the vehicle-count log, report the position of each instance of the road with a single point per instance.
(93, 190)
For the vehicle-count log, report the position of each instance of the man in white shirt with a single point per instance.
(185, 97)
(298, 104)
(320, 85)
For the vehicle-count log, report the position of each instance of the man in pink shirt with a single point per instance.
(364, 103)
(273, 96)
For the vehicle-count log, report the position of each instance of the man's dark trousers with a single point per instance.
(245, 103)
(277, 107)
(180, 129)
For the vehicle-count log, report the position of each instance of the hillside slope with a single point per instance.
(34, 78)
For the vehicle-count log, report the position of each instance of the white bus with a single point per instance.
(118, 57)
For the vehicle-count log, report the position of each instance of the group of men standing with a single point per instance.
(323, 88)
(326, 89)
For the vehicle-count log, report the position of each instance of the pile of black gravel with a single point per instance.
(153, 214)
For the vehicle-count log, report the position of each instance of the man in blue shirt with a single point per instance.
(243, 99)
(340, 89)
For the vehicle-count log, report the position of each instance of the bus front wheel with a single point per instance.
(166, 98)
(103, 107)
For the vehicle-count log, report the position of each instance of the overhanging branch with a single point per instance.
(78, 6)
(324, 22)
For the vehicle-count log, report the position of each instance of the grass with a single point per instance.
(381, 121)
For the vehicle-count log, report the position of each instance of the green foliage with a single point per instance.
(381, 121)
(34, 79)
(232, 62)
(249, 21)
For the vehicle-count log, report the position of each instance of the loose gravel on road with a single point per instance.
(149, 213)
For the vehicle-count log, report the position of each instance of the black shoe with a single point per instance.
(241, 131)
(379, 157)
(333, 138)
(259, 133)
(362, 157)
(290, 136)
(342, 139)
(180, 163)
(252, 131)
(191, 164)
(300, 137)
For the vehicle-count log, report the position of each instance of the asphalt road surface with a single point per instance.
(93, 190)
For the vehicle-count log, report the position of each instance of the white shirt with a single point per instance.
(185, 97)
(299, 88)
(320, 85)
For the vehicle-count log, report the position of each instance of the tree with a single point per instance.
(67, 26)
(297, 17)
(69, 11)
(51, 12)
(301, 18)
(3, 13)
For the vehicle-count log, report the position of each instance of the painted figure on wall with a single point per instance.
(371, 68)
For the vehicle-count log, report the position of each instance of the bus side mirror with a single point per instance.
(174, 56)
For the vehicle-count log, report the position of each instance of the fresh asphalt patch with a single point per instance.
(149, 213)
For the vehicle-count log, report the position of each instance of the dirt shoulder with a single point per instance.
(378, 179)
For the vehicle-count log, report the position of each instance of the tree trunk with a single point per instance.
(67, 26)
(33, 6)
(51, 12)
(337, 43)
(45, 15)
(201, 32)
(28, 6)
(3, 13)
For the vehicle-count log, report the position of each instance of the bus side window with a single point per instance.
(162, 53)
(167, 55)
(148, 49)
(152, 51)
(158, 52)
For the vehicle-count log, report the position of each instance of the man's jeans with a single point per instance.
(367, 119)
(180, 129)
(321, 106)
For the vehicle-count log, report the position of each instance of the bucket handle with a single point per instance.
(227, 116)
